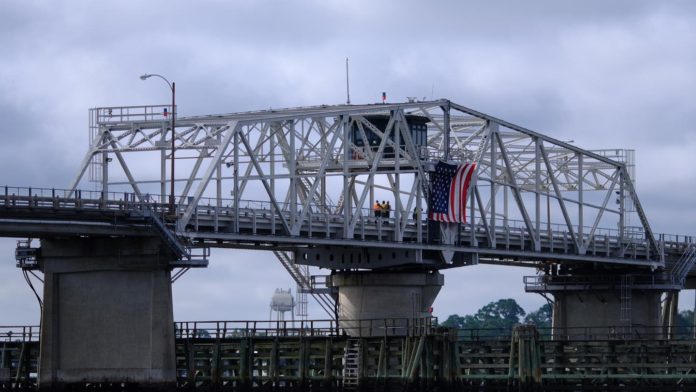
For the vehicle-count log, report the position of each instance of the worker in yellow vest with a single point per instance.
(377, 208)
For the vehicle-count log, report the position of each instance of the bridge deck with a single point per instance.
(42, 212)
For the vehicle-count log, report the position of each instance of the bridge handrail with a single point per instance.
(20, 333)
(227, 329)
(541, 281)
(585, 333)
(288, 328)
(56, 198)
(122, 114)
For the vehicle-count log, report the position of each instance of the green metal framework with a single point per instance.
(440, 360)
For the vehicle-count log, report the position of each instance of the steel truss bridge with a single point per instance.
(301, 182)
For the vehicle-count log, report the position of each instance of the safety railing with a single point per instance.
(386, 327)
(589, 333)
(121, 114)
(248, 328)
(208, 206)
(542, 282)
(18, 333)
(299, 328)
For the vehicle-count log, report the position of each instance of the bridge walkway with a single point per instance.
(34, 212)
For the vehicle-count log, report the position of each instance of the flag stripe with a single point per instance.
(450, 185)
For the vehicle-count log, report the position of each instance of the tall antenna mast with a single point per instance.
(347, 84)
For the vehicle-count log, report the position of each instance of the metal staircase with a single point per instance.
(305, 187)
(682, 267)
(351, 365)
(185, 257)
(304, 284)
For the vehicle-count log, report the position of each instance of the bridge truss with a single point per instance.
(296, 180)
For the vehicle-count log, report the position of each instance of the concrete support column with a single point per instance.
(384, 303)
(107, 314)
(579, 313)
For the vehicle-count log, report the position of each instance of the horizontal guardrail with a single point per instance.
(298, 328)
(540, 282)
(211, 211)
(20, 333)
(385, 327)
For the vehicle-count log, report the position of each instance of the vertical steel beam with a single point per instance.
(292, 167)
(105, 175)
(537, 190)
(272, 159)
(446, 123)
(399, 125)
(622, 211)
(163, 166)
(419, 208)
(323, 151)
(581, 210)
(345, 130)
(218, 180)
(493, 131)
(163, 176)
(235, 164)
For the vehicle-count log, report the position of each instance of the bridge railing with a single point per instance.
(588, 333)
(298, 328)
(543, 282)
(21, 333)
(77, 199)
(325, 216)
(122, 114)
(418, 327)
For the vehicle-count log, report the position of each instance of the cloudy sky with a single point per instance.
(603, 74)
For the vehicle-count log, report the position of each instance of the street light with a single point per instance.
(172, 86)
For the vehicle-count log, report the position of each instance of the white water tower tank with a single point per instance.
(281, 302)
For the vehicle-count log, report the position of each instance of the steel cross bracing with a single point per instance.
(298, 180)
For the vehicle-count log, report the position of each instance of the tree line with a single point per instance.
(502, 315)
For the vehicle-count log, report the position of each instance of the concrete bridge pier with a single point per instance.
(604, 306)
(107, 314)
(602, 312)
(382, 303)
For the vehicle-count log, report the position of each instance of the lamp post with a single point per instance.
(172, 86)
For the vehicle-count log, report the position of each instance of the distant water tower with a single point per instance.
(281, 302)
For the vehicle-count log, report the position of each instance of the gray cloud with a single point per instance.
(605, 74)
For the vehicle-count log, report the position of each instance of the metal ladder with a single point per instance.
(626, 305)
(351, 365)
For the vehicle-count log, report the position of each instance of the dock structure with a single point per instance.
(250, 356)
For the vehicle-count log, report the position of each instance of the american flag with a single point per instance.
(448, 192)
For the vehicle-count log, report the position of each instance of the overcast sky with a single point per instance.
(617, 74)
